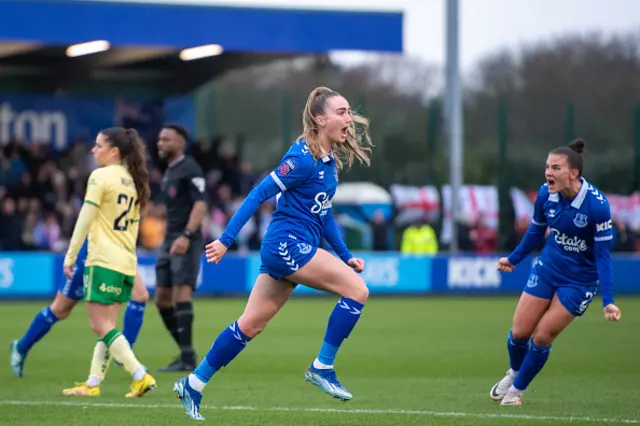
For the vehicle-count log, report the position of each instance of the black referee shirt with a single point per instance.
(182, 185)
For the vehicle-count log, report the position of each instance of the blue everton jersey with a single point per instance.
(576, 227)
(307, 186)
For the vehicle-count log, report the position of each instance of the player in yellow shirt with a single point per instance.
(116, 194)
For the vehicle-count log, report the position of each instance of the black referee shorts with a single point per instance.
(177, 270)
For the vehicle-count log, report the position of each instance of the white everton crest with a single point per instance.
(580, 220)
(304, 248)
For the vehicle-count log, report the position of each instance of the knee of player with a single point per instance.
(140, 294)
(62, 306)
(543, 337)
(101, 328)
(163, 301)
(520, 333)
(251, 326)
(61, 312)
(355, 289)
(184, 293)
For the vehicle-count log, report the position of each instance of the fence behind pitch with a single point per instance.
(38, 275)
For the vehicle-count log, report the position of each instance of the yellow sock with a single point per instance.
(100, 361)
(121, 351)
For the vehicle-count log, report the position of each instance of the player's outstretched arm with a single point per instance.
(535, 234)
(293, 170)
(258, 195)
(532, 238)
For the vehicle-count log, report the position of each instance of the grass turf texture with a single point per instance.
(422, 361)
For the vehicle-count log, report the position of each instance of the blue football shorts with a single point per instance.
(74, 288)
(575, 297)
(283, 256)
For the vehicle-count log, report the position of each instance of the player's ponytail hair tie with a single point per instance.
(358, 142)
(573, 151)
(577, 145)
(133, 136)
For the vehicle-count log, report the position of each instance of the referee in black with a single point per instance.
(183, 188)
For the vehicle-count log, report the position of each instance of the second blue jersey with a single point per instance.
(577, 249)
(575, 226)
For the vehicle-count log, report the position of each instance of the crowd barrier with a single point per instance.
(38, 275)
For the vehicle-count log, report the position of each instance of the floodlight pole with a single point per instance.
(453, 105)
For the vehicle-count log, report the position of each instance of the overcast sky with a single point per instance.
(487, 25)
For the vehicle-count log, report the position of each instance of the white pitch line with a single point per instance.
(336, 410)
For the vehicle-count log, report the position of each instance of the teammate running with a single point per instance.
(574, 264)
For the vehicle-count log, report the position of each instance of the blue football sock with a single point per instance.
(517, 351)
(343, 319)
(40, 326)
(536, 357)
(133, 316)
(225, 348)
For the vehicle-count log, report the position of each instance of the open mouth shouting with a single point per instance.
(551, 183)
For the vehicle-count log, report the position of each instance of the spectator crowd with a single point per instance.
(41, 192)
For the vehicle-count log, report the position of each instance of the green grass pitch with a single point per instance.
(410, 361)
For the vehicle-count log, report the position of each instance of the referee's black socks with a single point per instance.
(184, 322)
(169, 318)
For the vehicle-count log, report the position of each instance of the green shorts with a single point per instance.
(105, 286)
